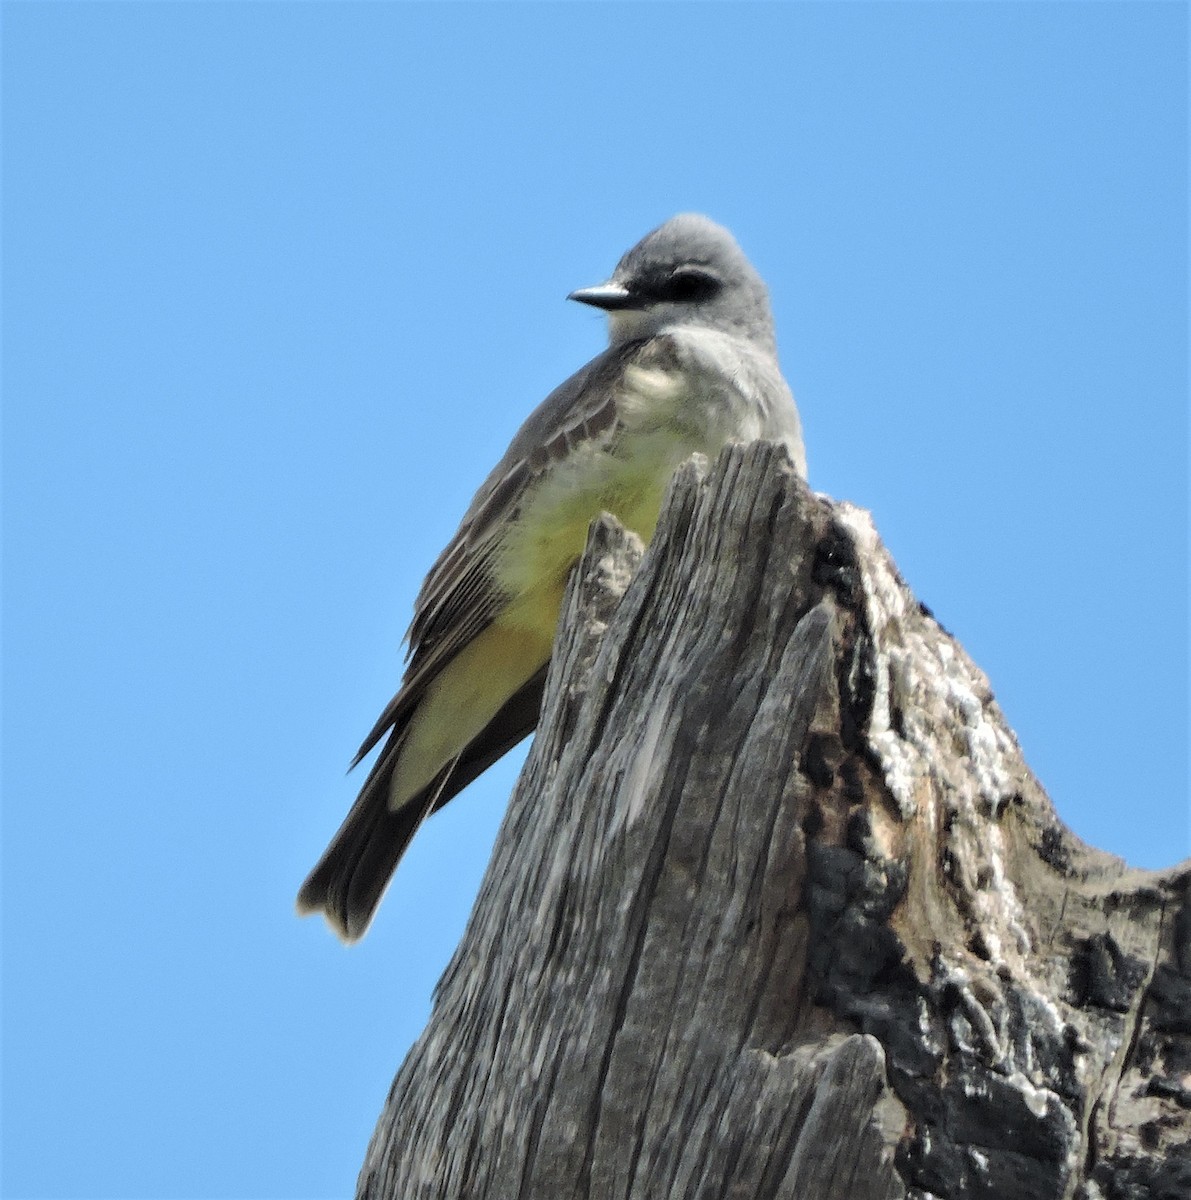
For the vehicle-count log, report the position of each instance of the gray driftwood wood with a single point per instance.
(778, 910)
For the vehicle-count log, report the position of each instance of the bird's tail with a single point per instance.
(349, 880)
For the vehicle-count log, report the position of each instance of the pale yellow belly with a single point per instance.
(472, 688)
(532, 567)
(552, 531)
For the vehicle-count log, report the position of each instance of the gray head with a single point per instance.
(689, 271)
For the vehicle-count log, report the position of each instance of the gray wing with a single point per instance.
(460, 596)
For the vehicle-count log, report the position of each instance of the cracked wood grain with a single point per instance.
(778, 909)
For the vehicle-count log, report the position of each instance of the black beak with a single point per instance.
(608, 296)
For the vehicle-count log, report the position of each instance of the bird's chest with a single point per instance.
(662, 420)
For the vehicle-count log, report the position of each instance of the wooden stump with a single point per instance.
(778, 910)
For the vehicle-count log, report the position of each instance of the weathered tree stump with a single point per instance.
(779, 911)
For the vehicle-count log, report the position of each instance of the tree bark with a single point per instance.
(778, 910)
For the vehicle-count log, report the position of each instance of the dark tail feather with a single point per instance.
(349, 880)
(347, 883)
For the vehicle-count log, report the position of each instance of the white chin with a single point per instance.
(628, 324)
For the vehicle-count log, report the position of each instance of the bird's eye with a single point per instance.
(691, 283)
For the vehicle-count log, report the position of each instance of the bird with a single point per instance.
(691, 366)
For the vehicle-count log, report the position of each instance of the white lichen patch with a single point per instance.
(992, 1041)
(921, 679)
(998, 901)
(1037, 1099)
(987, 743)
(885, 611)
(930, 706)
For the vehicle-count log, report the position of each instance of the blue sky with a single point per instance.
(281, 280)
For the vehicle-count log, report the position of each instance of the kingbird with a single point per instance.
(691, 366)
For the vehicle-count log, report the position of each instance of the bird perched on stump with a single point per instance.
(691, 366)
